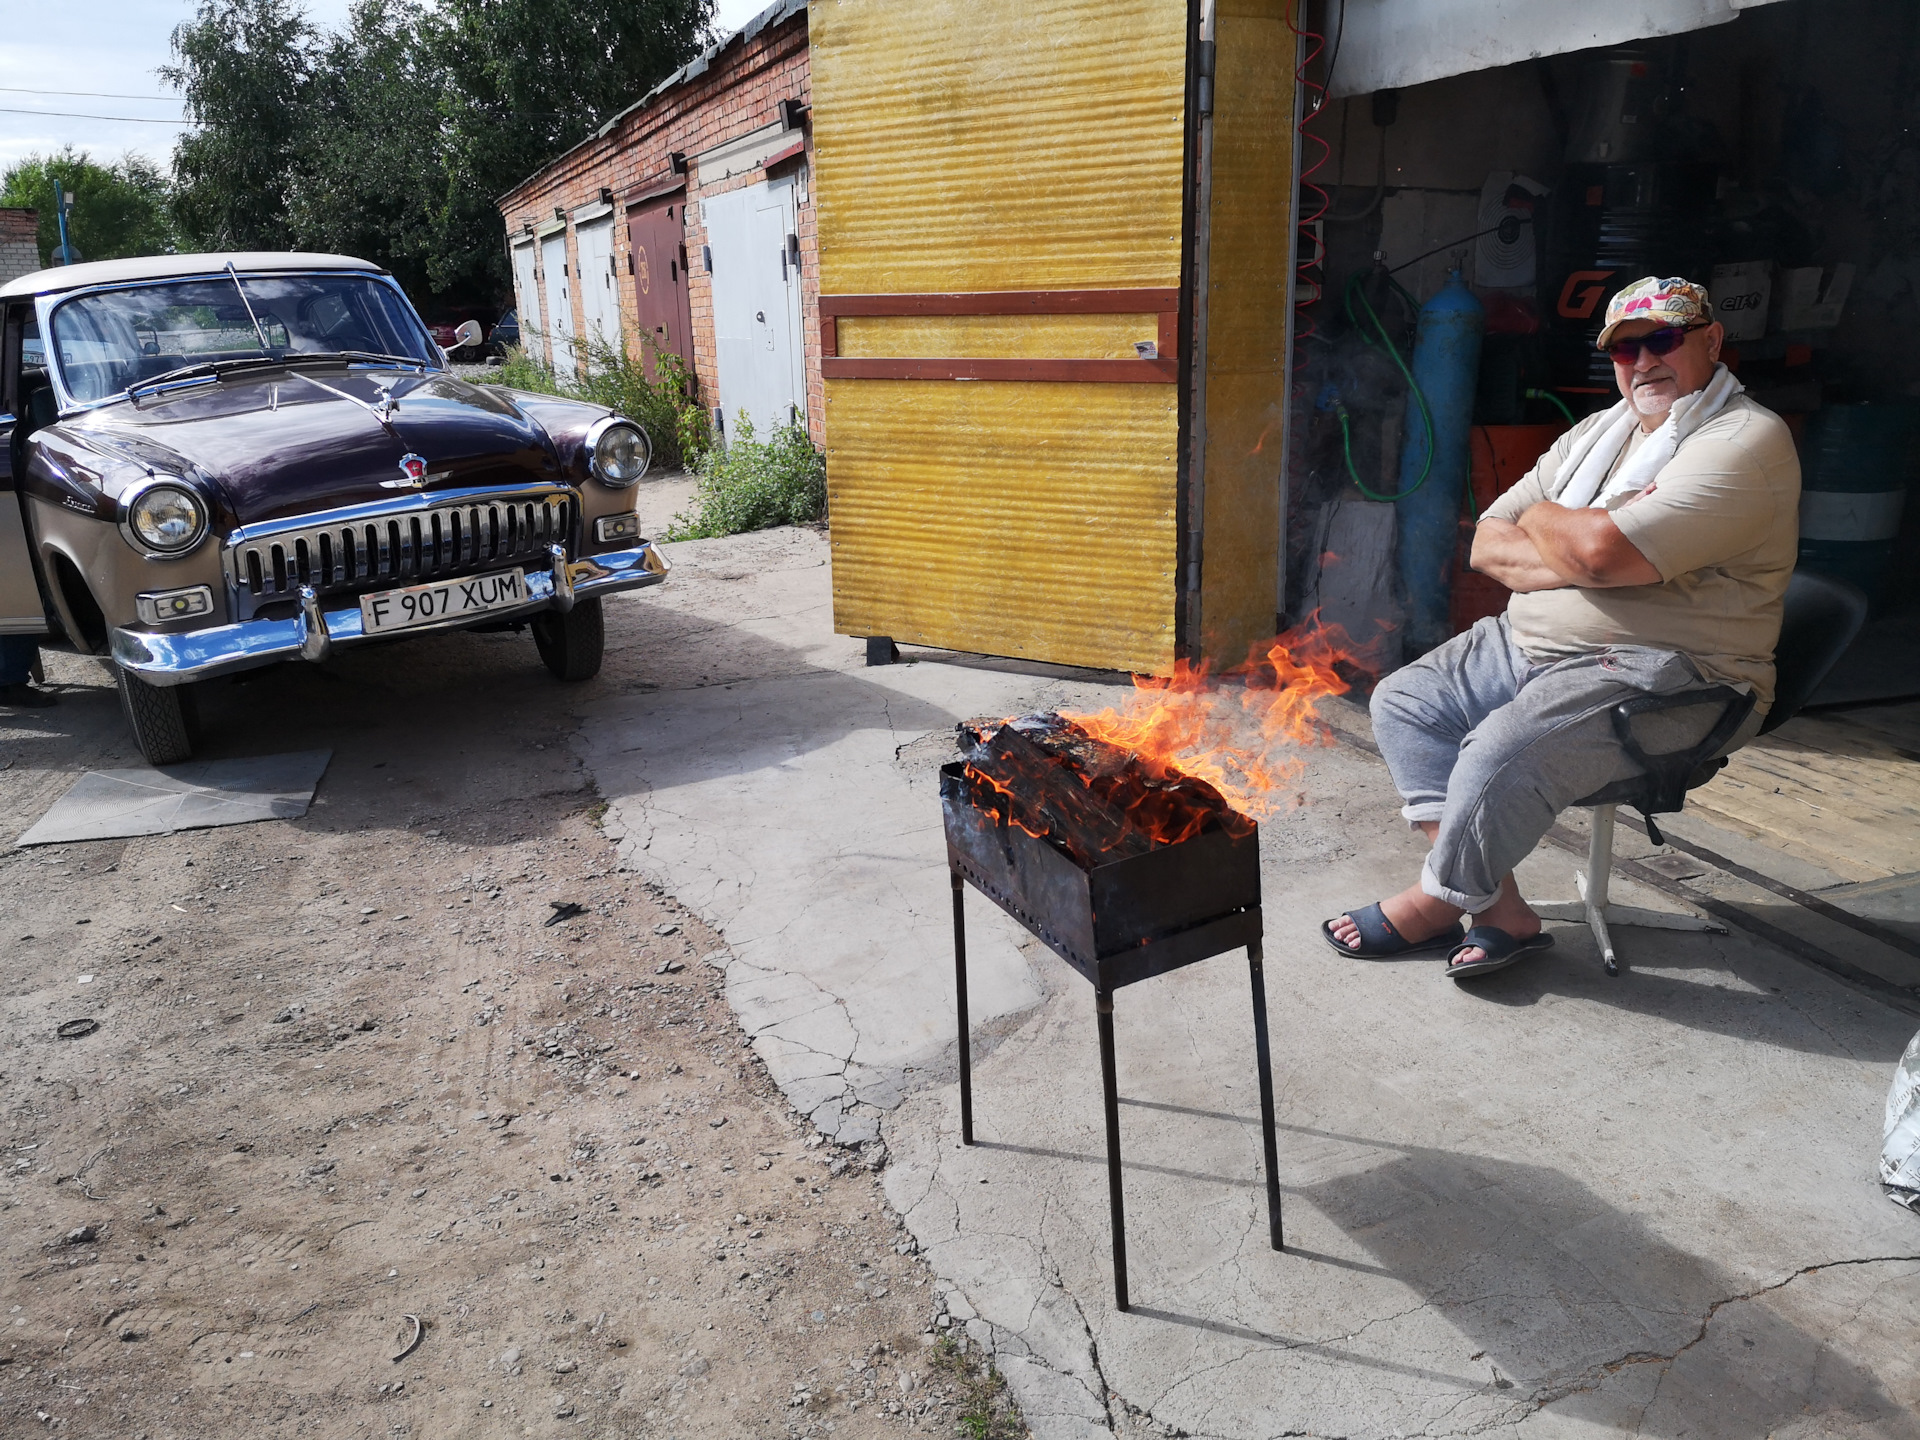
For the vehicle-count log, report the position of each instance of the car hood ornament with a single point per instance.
(413, 474)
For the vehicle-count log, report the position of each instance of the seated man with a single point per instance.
(1648, 551)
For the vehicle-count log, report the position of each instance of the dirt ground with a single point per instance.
(346, 1074)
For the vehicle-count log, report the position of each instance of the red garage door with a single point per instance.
(657, 232)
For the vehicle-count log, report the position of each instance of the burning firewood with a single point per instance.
(1097, 801)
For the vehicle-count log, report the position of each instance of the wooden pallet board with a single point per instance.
(1898, 725)
(1840, 791)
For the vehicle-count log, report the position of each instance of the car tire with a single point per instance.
(158, 718)
(572, 643)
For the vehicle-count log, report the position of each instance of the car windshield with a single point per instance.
(110, 340)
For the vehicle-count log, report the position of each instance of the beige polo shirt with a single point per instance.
(1721, 524)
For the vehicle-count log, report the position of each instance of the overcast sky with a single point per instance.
(114, 46)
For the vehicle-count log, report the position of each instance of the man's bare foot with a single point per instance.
(1509, 913)
(1413, 912)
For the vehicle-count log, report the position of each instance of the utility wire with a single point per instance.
(89, 94)
(76, 115)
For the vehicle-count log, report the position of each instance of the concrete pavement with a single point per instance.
(1553, 1204)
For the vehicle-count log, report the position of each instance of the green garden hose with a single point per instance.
(1556, 401)
(1385, 341)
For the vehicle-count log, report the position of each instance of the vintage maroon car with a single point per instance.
(214, 462)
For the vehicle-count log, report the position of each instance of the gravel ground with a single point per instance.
(347, 1075)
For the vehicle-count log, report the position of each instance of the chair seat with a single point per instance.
(1822, 615)
(1641, 788)
(1664, 779)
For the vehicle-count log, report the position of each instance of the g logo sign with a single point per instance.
(642, 273)
(1580, 296)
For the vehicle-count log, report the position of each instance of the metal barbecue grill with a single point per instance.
(1117, 921)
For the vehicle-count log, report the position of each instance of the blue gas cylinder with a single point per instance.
(1446, 364)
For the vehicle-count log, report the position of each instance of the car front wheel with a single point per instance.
(572, 643)
(158, 719)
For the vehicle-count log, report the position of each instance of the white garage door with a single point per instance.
(526, 296)
(559, 303)
(599, 297)
(756, 304)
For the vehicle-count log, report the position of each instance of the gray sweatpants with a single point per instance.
(1493, 746)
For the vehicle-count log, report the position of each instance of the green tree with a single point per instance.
(526, 80)
(245, 68)
(391, 138)
(372, 175)
(117, 210)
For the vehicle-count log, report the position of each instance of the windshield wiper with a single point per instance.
(207, 369)
(365, 357)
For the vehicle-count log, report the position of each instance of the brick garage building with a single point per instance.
(19, 243)
(686, 220)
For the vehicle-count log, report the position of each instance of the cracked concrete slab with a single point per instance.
(1550, 1205)
(787, 792)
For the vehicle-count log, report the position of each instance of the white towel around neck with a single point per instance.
(1585, 481)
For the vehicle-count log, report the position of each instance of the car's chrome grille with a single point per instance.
(397, 544)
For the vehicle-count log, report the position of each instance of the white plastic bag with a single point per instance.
(1900, 1155)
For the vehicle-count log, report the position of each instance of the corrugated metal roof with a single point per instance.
(775, 13)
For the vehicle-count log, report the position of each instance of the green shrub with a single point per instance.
(750, 484)
(695, 431)
(520, 371)
(618, 381)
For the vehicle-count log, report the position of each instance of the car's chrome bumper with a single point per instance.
(181, 656)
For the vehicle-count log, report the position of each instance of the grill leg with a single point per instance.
(1263, 1058)
(960, 999)
(1103, 1004)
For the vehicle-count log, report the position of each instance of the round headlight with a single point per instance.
(167, 518)
(621, 453)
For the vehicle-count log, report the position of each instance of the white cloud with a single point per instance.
(730, 15)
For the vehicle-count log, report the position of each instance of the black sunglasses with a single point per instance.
(1658, 342)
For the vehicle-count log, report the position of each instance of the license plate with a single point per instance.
(442, 600)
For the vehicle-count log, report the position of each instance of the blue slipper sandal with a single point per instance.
(1497, 949)
(1380, 941)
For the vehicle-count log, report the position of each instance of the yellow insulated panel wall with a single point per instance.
(965, 146)
(1060, 547)
(1248, 306)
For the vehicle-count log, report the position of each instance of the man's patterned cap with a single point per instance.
(1672, 301)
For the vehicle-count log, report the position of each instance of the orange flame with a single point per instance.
(1234, 731)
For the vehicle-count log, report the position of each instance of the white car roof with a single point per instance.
(166, 267)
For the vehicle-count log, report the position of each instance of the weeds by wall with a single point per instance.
(663, 407)
(751, 484)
